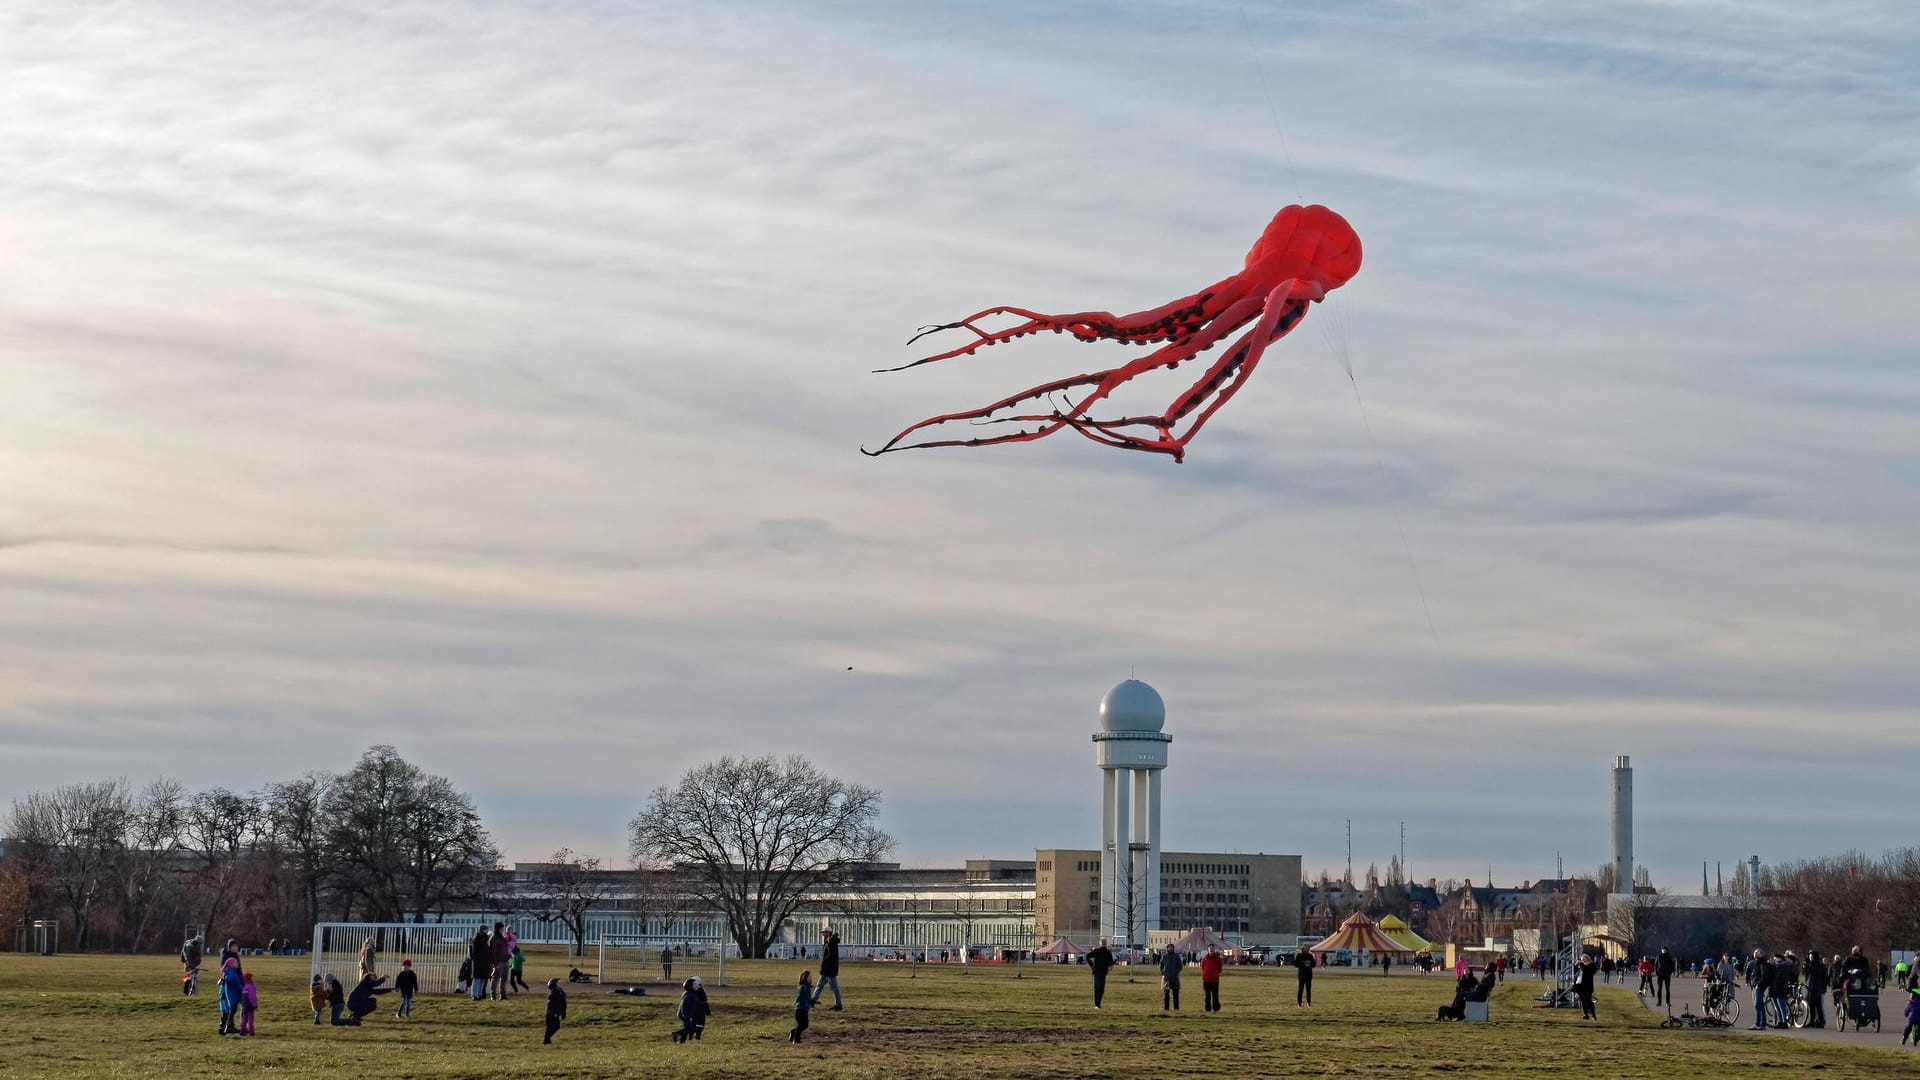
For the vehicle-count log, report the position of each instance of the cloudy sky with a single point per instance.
(486, 379)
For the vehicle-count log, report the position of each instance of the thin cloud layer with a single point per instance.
(486, 380)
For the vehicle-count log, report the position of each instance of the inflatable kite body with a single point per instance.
(1305, 253)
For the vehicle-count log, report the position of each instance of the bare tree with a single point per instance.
(755, 836)
(296, 839)
(85, 829)
(153, 840)
(569, 886)
(219, 830)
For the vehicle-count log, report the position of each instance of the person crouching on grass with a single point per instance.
(556, 1008)
(802, 1003)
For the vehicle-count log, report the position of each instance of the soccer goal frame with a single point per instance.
(635, 958)
(436, 949)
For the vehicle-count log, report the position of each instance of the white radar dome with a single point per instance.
(1132, 706)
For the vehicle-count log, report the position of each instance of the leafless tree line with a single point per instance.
(127, 869)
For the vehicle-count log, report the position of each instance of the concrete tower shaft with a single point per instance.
(1622, 824)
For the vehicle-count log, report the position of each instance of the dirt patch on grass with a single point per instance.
(671, 991)
(947, 1037)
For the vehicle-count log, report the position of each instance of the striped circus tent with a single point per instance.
(1403, 934)
(1359, 934)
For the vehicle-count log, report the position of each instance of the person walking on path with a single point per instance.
(802, 1005)
(1663, 975)
(1210, 966)
(1303, 965)
(1912, 1030)
(1646, 975)
(190, 959)
(482, 957)
(1584, 970)
(1170, 964)
(556, 1008)
(666, 964)
(829, 968)
(1758, 975)
(1100, 961)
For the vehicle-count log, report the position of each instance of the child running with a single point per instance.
(802, 1002)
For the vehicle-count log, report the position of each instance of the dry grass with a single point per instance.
(123, 1017)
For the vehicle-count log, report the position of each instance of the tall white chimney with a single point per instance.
(1622, 825)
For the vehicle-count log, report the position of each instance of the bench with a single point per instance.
(1476, 1012)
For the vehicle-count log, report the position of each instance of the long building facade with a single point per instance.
(1253, 898)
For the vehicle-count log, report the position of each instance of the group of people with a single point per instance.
(494, 964)
(1171, 963)
(239, 998)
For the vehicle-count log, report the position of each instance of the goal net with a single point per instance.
(436, 949)
(649, 959)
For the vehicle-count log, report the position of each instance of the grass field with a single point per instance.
(124, 1017)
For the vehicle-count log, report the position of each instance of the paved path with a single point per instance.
(1893, 1005)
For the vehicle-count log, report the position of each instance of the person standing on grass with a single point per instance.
(482, 956)
(249, 1002)
(666, 964)
(829, 967)
(190, 957)
(1100, 961)
(231, 992)
(1584, 970)
(336, 1000)
(694, 1010)
(502, 949)
(1210, 967)
(1303, 965)
(368, 949)
(556, 1008)
(802, 1004)
(406, 984)
(1170, 964)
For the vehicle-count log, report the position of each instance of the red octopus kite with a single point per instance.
(1306, 252)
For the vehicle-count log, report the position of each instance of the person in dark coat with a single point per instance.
(802, 1005)
(1170, 964)
(694, 1010)
(1759, 974)
(1100, 961)
(482, 956)
(1663, 978)
(1303, 965)
(408, 984)
(360, 1002)
(1457, 1008)
(829, 967)
(1583, 972)
(336, 1000)
(556, 1008)
(1816, 991)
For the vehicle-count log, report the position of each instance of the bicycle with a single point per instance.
(1722, 1002)
(1797, 1011)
